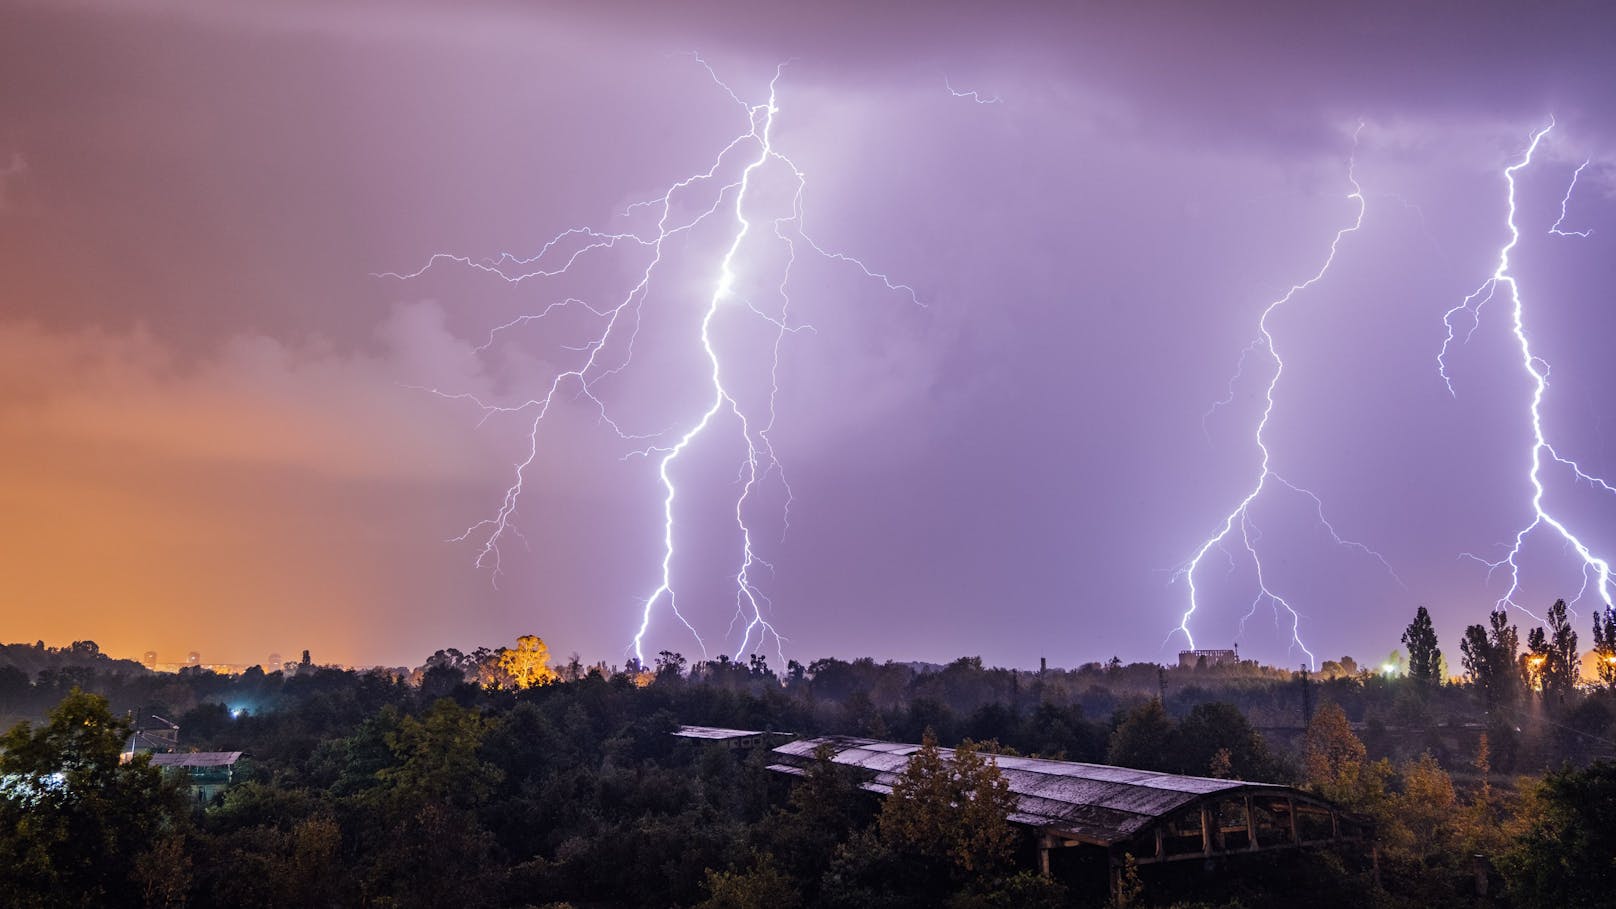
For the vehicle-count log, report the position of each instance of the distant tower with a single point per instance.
(149, 659)
(1307, 699)
(274, 664)
(193, 659)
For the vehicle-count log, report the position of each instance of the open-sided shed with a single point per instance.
(1155, 817)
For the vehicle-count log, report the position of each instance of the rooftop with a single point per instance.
(715, 733)
(197, 759)
(1090, 803)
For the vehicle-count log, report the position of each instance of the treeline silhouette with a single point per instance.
(494, 779)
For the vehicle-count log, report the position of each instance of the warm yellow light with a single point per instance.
(1536, 661)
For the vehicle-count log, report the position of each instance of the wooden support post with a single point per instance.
(1161, 846)
(1118, 897)
(1206, 830)
(1296, 834)
(1045, 843)
(1251, 825)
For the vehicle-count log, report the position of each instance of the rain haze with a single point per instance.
(986, 326)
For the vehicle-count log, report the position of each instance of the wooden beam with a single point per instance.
(1206, 830)
(1251, 825)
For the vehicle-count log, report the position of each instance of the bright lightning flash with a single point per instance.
(609, 351)
(1594, 568)
(1238, 524)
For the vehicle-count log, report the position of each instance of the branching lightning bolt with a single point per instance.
(1537, 371)
(609, 351)
(1566, 201)
(972, 95)
(1238, 523)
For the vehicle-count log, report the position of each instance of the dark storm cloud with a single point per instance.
(207, 189)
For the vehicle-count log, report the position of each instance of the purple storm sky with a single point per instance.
(215, 436)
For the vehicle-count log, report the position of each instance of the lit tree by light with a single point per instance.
(528, 664)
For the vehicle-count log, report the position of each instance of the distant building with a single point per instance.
(208, 772)
(193, 659)
(149, 660)
(274, 664)
(1191, 659)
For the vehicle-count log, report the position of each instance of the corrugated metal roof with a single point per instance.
(197, 759)
(1094, 802)
(715, 733)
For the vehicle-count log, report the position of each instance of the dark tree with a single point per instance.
(1491, 656)
(1218, 735)
(1424, 659)
(1143, 739)
(1564, 856)
(1605, 646)
(670, 665)
(78, 827)
(1552, 663)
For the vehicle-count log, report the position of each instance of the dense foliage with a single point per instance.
(490, 779)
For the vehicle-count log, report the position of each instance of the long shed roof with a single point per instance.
(714, 733)
(1096, 803)
(194, 759)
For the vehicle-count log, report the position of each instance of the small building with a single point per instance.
(209, 772)
(1192, 659)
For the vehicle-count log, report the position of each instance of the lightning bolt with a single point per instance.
(609, 352)
(972, 95)
(1565, 201)
(1238, 526)
(1537, 373)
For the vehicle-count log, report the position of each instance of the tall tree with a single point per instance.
(1552, 662)
(529, 663)
(1424, 659)
(1337, 765)
(77, 824)
(1491, 658)
(1605, 646)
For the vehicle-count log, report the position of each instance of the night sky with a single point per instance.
(217, 424)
